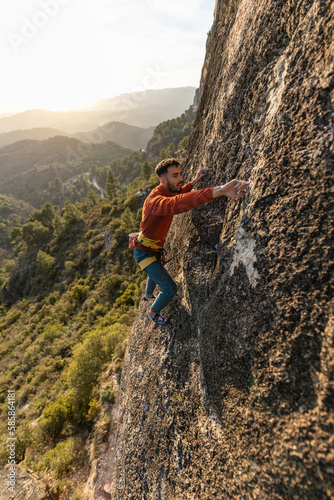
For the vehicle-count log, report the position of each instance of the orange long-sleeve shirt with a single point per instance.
(161, 205)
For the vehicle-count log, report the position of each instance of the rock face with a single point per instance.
(235, 397)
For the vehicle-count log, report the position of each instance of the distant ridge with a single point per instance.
(123, 134)
(36, 134)
(176, 96)
(142, 109)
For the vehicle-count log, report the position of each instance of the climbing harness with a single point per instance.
(137, 240)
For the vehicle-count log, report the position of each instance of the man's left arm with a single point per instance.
(198, 177)
(188, 187)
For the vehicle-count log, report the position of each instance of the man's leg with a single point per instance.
(158, 274)
(150, 286)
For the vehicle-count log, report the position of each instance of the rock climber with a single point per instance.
(164, 201)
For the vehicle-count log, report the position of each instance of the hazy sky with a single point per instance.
(62, 54)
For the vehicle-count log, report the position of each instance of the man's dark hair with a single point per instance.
(163, 166)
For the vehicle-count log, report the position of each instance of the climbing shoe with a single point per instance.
(147, 298)
(159, 320)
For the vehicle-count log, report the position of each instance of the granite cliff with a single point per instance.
(234, 398)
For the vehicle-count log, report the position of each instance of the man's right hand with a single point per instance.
(233, 189)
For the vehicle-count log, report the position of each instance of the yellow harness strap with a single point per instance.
(147, 242)
(146, 262)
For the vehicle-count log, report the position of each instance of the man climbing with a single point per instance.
(166, 200)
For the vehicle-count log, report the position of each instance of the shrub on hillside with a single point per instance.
(45, 262)
(54, 417)
(107, 395)
(60, 460)
(79, 293)
(88, 360)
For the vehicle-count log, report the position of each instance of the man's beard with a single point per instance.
(173, 190)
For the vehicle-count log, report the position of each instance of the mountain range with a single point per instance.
(141, 109)
(128, 136)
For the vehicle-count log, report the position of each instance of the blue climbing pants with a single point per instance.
(157, 275)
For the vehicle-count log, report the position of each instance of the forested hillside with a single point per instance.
(69, 293)
(13, 212)
(67, 309)
(171, 136)
(62, 168)
(35, 171)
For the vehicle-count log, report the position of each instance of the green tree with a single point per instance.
(79, 293)
(146, 170)
(112, 186)
(32, 233)
(46, 215)
(128, 221)
(71, 214)
(170, 150)
(54, 417)
(16, 236)
(93, 197)
(163, 154)
(86, 366)
(45, 262)
(184, 143)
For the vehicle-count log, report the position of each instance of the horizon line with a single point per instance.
(85, 107)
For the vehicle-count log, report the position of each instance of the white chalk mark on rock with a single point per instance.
(274, 96)
(244, 254)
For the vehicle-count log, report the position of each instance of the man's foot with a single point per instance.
(149, 297)
(159, 320)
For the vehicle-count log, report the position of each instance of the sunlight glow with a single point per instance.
(64, 54)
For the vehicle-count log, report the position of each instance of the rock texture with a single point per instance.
(26, 486)
(235, 397)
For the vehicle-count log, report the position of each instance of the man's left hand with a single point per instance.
(199, 176)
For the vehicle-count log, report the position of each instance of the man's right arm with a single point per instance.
(164, 205)
(172, 205)
(233, 189)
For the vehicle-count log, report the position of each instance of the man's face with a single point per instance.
(173, 180)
